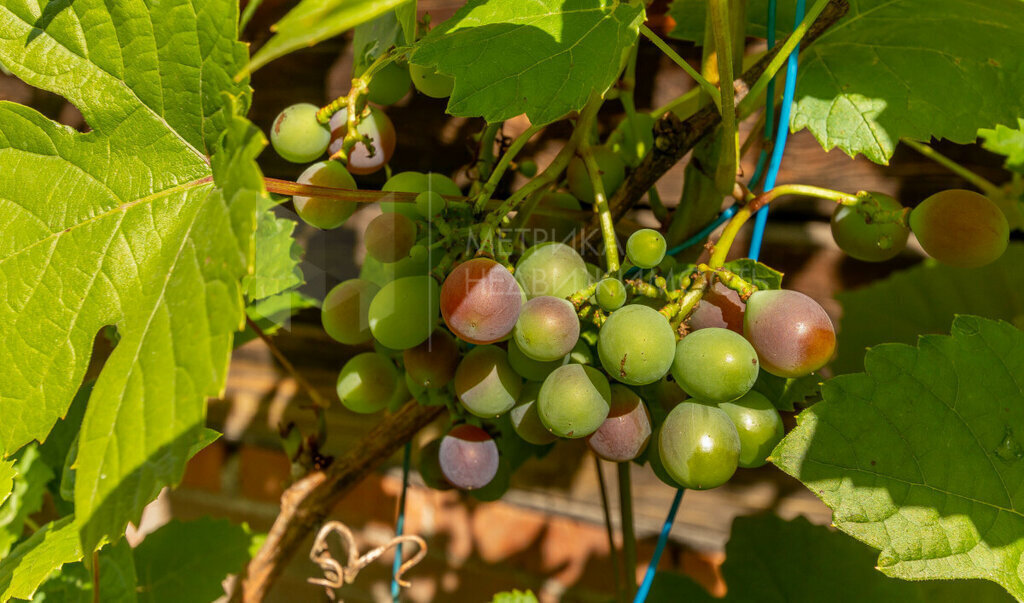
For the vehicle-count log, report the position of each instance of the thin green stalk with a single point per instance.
(485, 159)
(628, 535)
(613, 555)
(628, 83)
(678, 60)
(502, 165)
(983, 184)
(611, 247)
(725, 173)
(248, 13)
(659, 209)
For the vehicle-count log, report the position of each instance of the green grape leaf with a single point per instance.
(7, 475)
(894, 69)
(919, 456)
(276, 264)
(35, 559)
(1008, 142)
(187, 561)
(274, 313)
(924, 299)
(313, 21)
(25, 498)
(755, 273)
(371, 39)
(123, 225)
(73, 583)
(833, 568)
(785, 393)
(543, 58)
(515, 596)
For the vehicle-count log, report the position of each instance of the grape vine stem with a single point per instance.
(628, 534)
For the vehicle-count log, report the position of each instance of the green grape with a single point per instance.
(636, 345)
(468, 457)
(553, 269)
(574, 400)
(419, 253)
(792, 334)
(443, 185)
(377, 127)
(581, 353)
(297, 136)
(715, 364)
(432, 363)
(389, 84)
(609, 164)
(960, 228)
(485, 382)
(636, 138)
(528, 168)
(610, 294)
(545, 229)
(403, 314)
(869, 242)
(345, 310)
(430, 466)
(367, 382)
(400, 396)
(759, 426)
(416, 182)
(699, 446)
(428, 81)
(547, 328)
(646, 248)
(389, 237)
(527, 367)
(654, 460)
(525, 420)
(624, 434)
(322, 212)
(429, 204)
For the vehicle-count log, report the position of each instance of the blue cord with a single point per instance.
(652, 568)
(400, 523)
(761, 219)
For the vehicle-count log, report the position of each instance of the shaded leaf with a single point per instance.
(26, 497)
(785, 393)
(32, 561)
(73, 583)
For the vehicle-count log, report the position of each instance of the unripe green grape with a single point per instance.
(525, 420)
(377, 127)
(636, 345)
(401, 395)
(551, 269)
(322, 212)
(610, 166)
(624, 434)
(389, 84)
(610, 294)
(403, 314)
(547, 328)
(528, 368)
(345, 310)
(468, 457)
(367, 382)
(428, 81)
(416, 182)
(637, 138)
(961, 228)
(389, 237)
(528, 168)
(759, 426)
(429, 204)
(485, 382)
(645, 248)
(430, 466)
(442, 185)
(653, 456)
(432, 363)
(419, 252)
(715, 364)
(874, 242)
(574, 400)
(699, 446)
(581, 353)
(792, 334)
(297, 136)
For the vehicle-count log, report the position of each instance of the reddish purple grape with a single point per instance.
(377, 127)
(468, 457)
(719, 307)
(790, 332)
(625, 433)
(432, 363)
(547, 328)
(480, 301)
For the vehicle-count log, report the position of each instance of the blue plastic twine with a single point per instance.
(400, 523)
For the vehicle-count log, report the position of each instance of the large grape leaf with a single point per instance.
(901, 68)
(1008, 142)
(924, 299)
(817, 564)
(73, 583)
(543, 58)
(32, 561)
(920, 456)
(7, 475)
(122, 226)
(26, 498)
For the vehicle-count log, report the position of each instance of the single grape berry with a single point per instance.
(389, 84)
(528, 168)
(552, 269)
(574, 401)
(720, 307)
(403, 314)
(699, 446)
(610, 294)
(759, 426)
(645, 248)
(345, 311)
(416, 182)
(624, 434)
(432, 363)
(429, 204)
(961, 228)
(869, 242)
(485, 382)
(547, 328)
(480, 301)
(428, 81)
(468, 457)
(367, 382)
(636, 345)
(375, 125)
(715, 364)
(297, 136)
(610, 166)
(389, 237)
(527, 367)
(323, 212)
(792, 334)
(525, 420)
